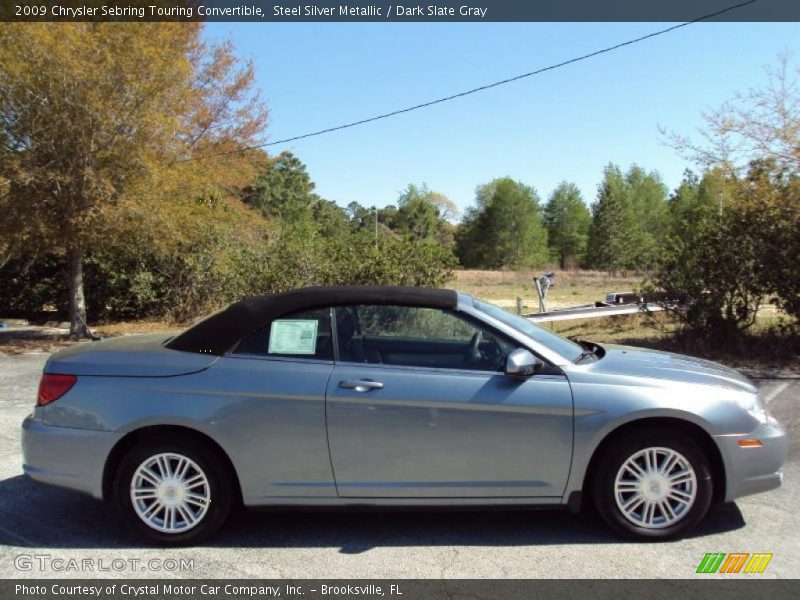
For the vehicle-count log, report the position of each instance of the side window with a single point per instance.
(305, 334)
(415, 336)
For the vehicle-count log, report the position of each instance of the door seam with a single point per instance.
(327, 432)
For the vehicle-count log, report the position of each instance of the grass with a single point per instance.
(770, 344)
(571, 287)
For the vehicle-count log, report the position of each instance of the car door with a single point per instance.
(418, 407)
(274, 420)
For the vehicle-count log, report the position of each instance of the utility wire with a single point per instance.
(478, 89)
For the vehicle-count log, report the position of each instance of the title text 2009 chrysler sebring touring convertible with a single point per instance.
(393, 396)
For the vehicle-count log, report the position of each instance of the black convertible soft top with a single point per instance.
(220, 332)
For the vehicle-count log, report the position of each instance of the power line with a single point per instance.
(477, 89)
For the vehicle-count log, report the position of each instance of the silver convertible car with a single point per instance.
(390, 396)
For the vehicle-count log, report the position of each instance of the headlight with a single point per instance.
(755, 407)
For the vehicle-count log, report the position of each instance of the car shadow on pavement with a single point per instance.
(40, 516)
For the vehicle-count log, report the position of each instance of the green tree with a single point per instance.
(330, 219)
(96, 116)
(754, 141)
(423, 214)
(646, 218)
(696, 200)
(607, 230)
(629, 220)
(361, 217)
(738, 247)
(770, 204)
(417, 216)
(713, 286)
(504, 228)
(567, 220)
(387, 216)
(284, 190)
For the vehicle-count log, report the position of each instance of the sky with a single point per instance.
(562, 125)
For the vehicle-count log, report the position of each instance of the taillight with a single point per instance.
(53, 386)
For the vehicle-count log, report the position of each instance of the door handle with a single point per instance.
(361, 385)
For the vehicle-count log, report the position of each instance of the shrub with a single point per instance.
(193, 276)
(712, 279)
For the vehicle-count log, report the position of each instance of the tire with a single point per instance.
(653, 504)
(189, 513)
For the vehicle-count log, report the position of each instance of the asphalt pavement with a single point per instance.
(48, 532)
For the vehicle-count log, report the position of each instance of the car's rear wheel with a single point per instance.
(654, 485)
(173, 492)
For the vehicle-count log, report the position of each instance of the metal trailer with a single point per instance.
(616, 303)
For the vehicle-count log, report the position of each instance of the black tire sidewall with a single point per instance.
(207, 459)
(620, 451)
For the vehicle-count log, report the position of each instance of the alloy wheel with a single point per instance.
(170, 492)
(655, 487)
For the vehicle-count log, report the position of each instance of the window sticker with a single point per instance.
(293, 336)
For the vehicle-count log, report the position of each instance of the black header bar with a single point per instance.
(737, 588)
(377, 11)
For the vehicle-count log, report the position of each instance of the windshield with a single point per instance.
(560, 345)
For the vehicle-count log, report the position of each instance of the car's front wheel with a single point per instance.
(654, 485)
(173, 493)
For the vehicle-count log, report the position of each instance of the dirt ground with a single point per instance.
(570, 287)
(47, 340)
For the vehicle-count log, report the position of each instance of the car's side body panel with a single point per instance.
(128, 356)
(753, 470)
(273, 425)
(438, 433)
(605, 401)
(66, 456)
(267, 415)
(277, 439)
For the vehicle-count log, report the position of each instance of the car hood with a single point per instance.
(641, 362)
(128, 356)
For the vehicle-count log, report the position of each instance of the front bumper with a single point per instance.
(66, 457)
(754, 470)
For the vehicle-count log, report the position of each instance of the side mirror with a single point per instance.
(521, 364)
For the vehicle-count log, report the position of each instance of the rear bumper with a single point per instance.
(754, 470)
(66, 457)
